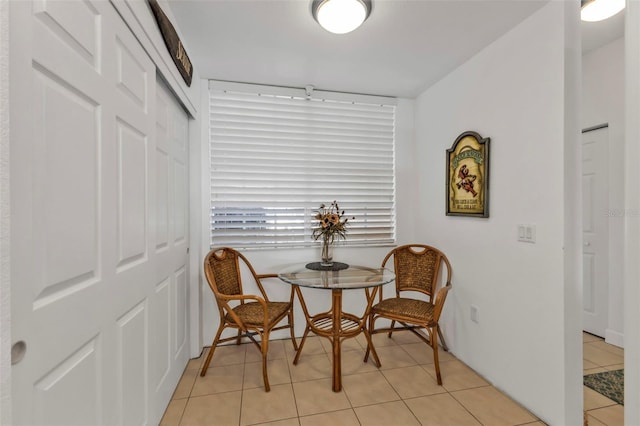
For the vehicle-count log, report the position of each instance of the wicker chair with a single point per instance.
(249, 314)
(417, 268)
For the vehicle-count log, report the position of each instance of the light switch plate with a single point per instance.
(527, 233)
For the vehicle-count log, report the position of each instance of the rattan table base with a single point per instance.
(336, 326)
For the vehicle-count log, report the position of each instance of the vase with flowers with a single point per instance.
(332, 225)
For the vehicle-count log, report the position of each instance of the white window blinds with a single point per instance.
(277, 155)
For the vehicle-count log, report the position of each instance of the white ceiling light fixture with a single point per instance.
(599, 10)
(340, 16)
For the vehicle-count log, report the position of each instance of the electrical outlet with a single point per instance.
(474, 313)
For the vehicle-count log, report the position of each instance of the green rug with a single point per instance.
(608, 383)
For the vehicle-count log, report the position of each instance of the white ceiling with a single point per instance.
(402, 48)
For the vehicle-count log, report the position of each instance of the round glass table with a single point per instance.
(335, 324)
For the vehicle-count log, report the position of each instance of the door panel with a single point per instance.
(172, 158)
(132, 365)
(162, 197)
(76, 27)
(132, 75)
(98, 220)
(132, 195)
(59, 388)
(180, 311)
(160, 334)
(67, 191)
(180, 200)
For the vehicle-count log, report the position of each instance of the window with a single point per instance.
(277, 154)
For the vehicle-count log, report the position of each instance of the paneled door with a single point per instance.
(98, 220)
(169, 312)
(595, 231)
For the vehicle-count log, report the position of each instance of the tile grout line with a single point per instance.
(293, 391)
(464, 406)
(244, 371)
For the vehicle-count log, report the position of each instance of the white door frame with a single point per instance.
(632, 220)
(5, 284)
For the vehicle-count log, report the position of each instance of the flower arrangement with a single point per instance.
(331, 224)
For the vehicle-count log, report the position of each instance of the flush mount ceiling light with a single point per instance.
(598, 10)
(340, 16)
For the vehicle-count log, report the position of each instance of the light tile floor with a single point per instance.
(402, 392)
(600, 356)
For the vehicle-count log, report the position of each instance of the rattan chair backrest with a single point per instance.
(223, 271)
(417, 267)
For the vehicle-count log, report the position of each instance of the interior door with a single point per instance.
(595, 230)
(98, 256)
(169, 313)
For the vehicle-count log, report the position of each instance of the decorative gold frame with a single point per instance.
(467, 184)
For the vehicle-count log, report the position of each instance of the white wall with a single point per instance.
(513, 92)
(603, 102)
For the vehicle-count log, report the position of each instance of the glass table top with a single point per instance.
(355, 276)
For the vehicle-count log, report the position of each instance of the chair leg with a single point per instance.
(393, 324)
(370, 348)
(366, 352)
(213, 348)
(376, 360)
(264, 348)
(434, 346)
(239, 339)
(299, 350)
(444, 344)
(292, 329)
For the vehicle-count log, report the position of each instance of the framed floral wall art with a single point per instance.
(467, 186)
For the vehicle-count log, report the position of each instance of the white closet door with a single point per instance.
(98, 221)
(169, 314)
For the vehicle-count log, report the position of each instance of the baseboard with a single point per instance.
(614, 338)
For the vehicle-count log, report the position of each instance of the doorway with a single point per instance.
(595, 229)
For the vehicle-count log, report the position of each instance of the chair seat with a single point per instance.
(251, 313)
(410, 309)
